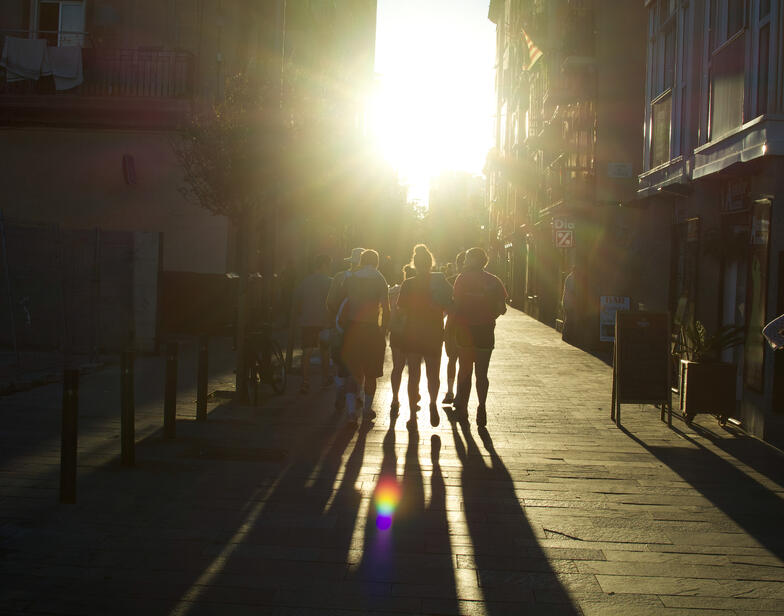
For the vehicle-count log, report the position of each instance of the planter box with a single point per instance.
(707, 387)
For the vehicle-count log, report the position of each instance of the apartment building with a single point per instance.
(713, 168)
(570, 96)
(93, 92)
(86, 132)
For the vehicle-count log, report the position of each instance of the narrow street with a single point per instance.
(275, 510)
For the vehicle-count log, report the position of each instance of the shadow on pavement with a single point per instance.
(755, 454)
(513, 570)
(32, 418)
(753, 507)
(230, 515)
(289, 550)
(407, 553)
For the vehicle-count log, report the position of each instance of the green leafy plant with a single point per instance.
(699, 345)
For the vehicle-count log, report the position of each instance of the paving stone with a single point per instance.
(551, 510)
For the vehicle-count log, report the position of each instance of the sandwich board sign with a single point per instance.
(641, 362)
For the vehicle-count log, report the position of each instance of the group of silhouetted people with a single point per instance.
(349, 316)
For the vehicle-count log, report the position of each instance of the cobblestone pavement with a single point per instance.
(280, 510)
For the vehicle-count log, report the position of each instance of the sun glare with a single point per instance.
(433, 104)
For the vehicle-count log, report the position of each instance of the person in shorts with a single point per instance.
(310, 306)
(364, 340)
(450, 342)
(479, 299)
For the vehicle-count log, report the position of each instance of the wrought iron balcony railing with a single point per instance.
(111, 72)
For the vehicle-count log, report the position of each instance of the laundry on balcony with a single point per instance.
(25, 58)
(66, 65)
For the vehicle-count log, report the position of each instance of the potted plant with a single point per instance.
(707, 384)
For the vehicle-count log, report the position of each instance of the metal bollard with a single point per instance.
(170, 392)
(69, 436)
(127, 416)
(201, 379)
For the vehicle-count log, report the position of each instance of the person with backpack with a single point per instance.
(423, 301)
(335, 298)
(479, 299)
(366, 318)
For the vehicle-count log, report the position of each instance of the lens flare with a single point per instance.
(387, 498)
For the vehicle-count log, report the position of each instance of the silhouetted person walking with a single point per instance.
(396, 324)
(364, 340)
(423, 301)
(335, 298)
(450, 339)
(480, 298)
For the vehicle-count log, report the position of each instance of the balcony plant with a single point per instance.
(707, 383)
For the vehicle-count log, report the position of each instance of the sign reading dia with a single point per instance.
(564, 238)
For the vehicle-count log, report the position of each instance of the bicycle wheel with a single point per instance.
(277, 375)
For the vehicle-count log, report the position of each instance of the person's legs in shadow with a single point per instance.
(398, 363)
(482, 383)
(433, 368)
(465, 371)
(414, 362)
(369, 390)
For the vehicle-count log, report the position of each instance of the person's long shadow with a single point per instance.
(753, 507)
(437, 530)
(278, 553)
(511, 566)
(398, 571)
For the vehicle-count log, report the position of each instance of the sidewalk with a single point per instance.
(550, 510)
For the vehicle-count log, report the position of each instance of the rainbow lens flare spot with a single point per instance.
(387, 499)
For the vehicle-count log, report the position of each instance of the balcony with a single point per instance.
(119, 87)
(569, 181)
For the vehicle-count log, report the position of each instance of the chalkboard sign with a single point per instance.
(641, 366)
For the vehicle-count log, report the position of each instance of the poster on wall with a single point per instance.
(756, 293)
(608, 306)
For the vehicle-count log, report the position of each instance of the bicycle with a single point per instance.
(265, 364)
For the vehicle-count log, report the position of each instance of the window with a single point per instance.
(660, 129)
(663, 42)
(727, 65)
(764, 67)
(727, 18)
(662, 76)
(61, 22)
(763, 56)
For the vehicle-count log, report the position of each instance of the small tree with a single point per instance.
(228, 154)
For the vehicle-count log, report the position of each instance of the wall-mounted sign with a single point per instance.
(735, 195)
(564, 233)
(619, 170)
(564, 238)
(560, 224)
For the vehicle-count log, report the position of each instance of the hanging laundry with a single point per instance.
(25, 58)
